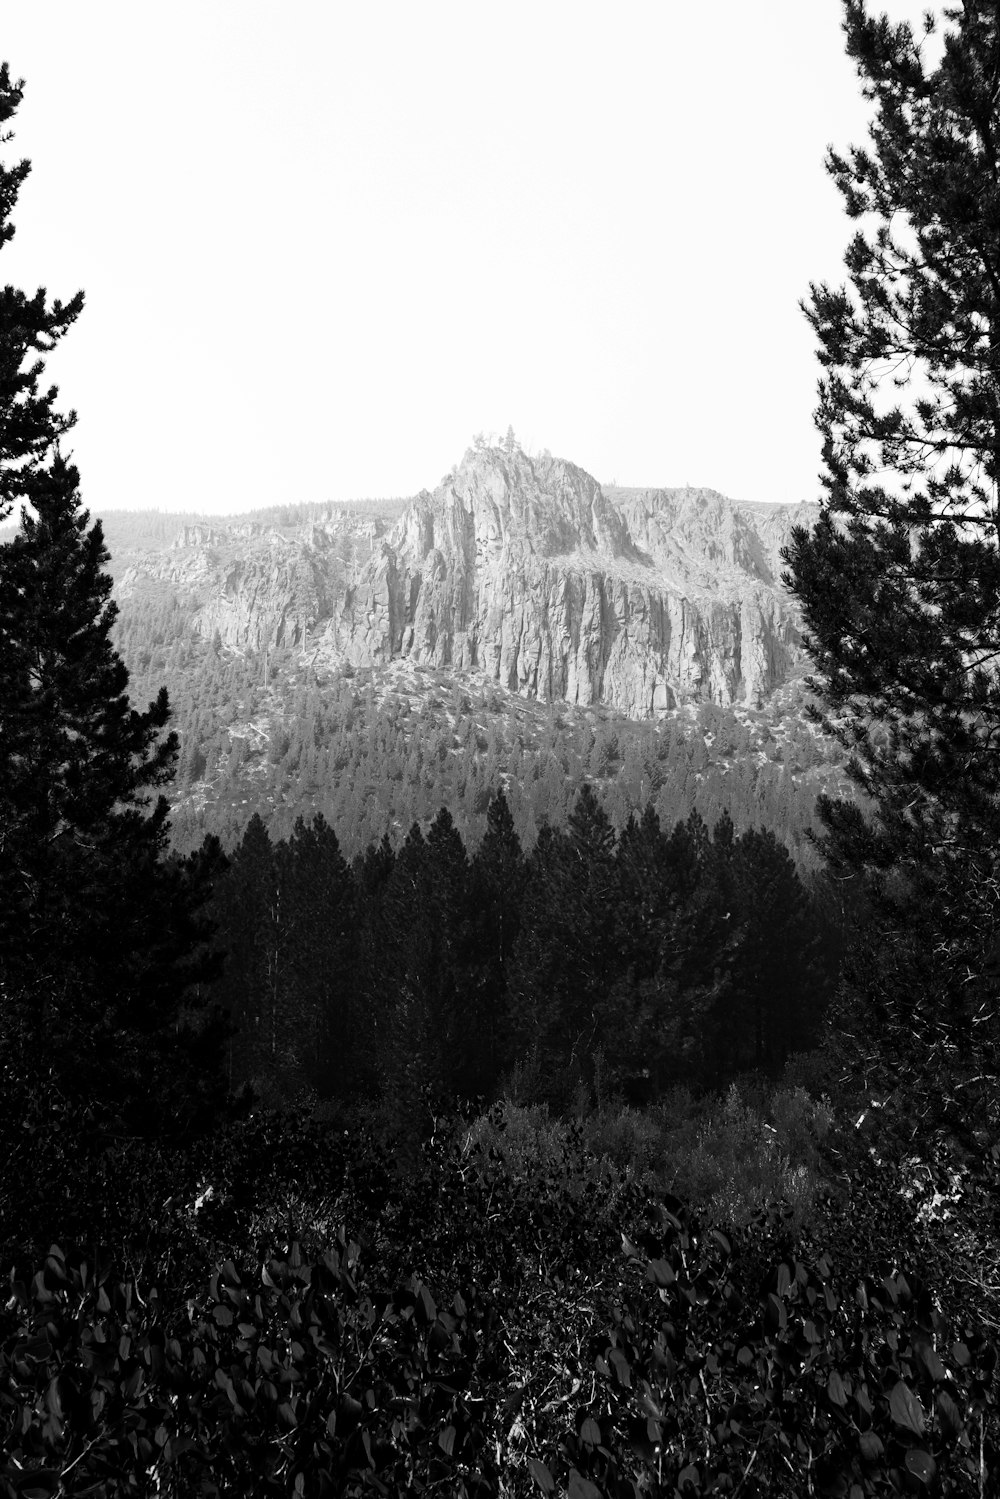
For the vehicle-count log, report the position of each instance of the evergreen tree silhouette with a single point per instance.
(900, 579)
(673, 941)
(566, 952)
(497, 887)
(101, 931)
(320, 906)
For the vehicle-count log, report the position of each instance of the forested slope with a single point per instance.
(376, 750)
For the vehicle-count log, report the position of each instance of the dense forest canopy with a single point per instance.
(593, 965)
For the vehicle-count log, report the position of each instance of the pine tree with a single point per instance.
(321, 917)
(410, 1058)
(900, 579)
(673, 946)
(774, 1002)
(497, 889)
(566, 957)
(248, 910)
(29, 327)
(371, 873)
(100, 929)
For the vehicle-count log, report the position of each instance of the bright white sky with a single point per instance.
(325, 242)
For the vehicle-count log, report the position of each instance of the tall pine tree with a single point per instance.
(565, 957)
(900, 579)
(497, 888)
(100, 930)
(30, 326)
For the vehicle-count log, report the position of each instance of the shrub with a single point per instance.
(802, 1125)
(736, 1167)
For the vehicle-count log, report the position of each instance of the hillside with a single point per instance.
(521, 626)
(521, 568)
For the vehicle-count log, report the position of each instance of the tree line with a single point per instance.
(374, 758)
(594, 963)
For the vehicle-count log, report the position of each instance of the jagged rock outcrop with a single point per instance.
(527, 570)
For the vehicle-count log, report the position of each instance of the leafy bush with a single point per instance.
(704, 1389)
(293, 1380)
(803, 1125)
(632, 1139)
(737, 1167)
(724, 1156)
(513, 1314)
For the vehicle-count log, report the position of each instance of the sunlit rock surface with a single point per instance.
(520, 567)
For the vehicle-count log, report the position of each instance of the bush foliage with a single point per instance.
(513, 1314)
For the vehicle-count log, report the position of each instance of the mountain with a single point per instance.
(521, 626)
(517, 569)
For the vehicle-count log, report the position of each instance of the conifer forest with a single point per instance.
(608, 1111)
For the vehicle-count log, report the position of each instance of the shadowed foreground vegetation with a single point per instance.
(734, 1296)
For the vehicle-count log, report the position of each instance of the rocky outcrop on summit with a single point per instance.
(526, 570)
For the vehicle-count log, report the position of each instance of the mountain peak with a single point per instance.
(521, 568)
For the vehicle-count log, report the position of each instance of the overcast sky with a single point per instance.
(323, 244)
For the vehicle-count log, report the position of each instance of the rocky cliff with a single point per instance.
(523, 569)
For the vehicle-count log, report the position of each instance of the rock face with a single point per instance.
(524, 569)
